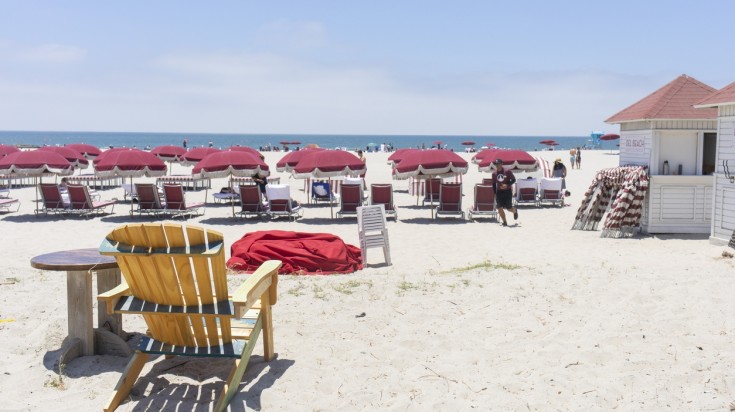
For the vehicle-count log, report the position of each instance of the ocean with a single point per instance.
(144, 140)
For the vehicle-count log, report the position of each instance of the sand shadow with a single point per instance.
(259, 376)
(33, 218)
(321, 221)
(85, 366)
(27, 218)
(233, 221)
(437, 221)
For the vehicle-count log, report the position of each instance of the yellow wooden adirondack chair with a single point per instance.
(175, 277)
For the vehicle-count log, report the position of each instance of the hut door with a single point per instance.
(709, 153)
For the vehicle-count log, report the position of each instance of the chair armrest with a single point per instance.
(113, 295)
(265, 279)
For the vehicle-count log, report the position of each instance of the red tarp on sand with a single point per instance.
(303, 253)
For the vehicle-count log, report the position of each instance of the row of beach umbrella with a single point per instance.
(247, 162)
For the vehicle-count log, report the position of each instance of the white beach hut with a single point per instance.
(723, 215)
(677, 142)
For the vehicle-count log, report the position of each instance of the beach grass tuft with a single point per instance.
(348, 288)
(318, 292)
(485, 265)
(58, 381)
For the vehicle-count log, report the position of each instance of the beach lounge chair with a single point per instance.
(431, 191)
(81, 203)
(350, 199)
(372, 231)
(6, 204)
(484, 203)
(129, 192)
(176, 202)
(551, 191)
(280, 202)
(527, 191)
(321, 191)
(52, 200)
(450, 200)
(382, 194)
(226, 195)
(251, 201)
(149, 201)
(175, 277)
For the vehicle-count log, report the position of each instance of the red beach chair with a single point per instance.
(350, 199)
(382, 194)
(176, 202)
(149, 200)
(280, 203)
(251, 201)
(527, 191)
(450, 200)
(551, 191)
(81, 203)
(51, 199)
(484, 203)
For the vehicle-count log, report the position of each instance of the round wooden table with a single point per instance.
(79, 265)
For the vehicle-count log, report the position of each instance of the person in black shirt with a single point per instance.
(503, 185)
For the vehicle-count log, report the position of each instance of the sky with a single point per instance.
(540, 68)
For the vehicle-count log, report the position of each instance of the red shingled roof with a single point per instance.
(673, 101)
(724, 96)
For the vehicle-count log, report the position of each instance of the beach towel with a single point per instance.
(302, 253)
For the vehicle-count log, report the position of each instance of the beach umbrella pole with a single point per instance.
(331, 200)
(232, 199)
(431, 197)
(131, 196)
(37, 189)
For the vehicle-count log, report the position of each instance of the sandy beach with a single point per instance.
(470, 316)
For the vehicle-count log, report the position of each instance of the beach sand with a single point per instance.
(471, 315)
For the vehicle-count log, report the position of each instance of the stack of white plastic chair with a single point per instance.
(372, 230)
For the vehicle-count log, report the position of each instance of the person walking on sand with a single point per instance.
(579, 158)
(502, 182)
(573, 156)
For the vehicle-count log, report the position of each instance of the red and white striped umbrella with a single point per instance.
(129, 163)
(629, 185)
(424, 164)
(193, 156)
(246, 149)
(291, 159)
(87, 150)
(230, 163)
(328, 163)
(168, 153)
(515, 160)
(7, 149)
(74, 157)
(35, 163)
(399, 154)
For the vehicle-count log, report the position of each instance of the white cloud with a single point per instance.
(268, 93)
